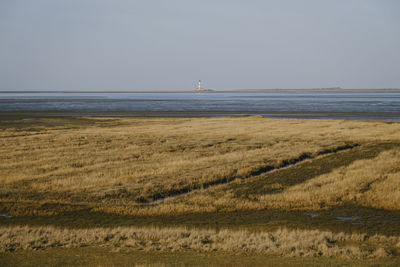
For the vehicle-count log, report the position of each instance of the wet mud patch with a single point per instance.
(350, 219)
(312, 214)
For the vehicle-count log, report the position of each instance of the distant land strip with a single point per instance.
(276, 90)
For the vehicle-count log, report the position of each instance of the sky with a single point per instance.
(170, 44)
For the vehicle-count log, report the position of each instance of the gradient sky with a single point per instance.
(169, 44)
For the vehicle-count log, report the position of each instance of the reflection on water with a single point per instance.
(355, 102)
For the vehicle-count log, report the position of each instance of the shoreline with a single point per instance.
(26, 115)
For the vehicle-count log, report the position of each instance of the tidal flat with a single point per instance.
(159, 190)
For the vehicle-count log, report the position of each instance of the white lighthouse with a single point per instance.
(199, 88)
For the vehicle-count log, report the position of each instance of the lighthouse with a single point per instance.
(199, 88)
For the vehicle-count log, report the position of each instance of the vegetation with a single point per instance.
(282, 242)
(103, 256)
(248, 184)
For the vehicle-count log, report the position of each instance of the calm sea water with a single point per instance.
(269, 104)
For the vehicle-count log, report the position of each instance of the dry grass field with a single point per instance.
(302, 188)
(283, 242)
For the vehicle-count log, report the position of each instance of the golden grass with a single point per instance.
(374, 183)
(282, 242)
(170, 166)
(127, 161)
(370, 183)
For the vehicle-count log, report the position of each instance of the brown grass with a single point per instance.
(206, 166)
(282, 242)
(370, 183)
(127, 162)
(373, 183)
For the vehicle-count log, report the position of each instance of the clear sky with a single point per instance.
(170, 44)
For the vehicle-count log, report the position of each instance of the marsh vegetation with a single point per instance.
(243, 184)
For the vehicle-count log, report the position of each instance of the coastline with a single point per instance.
(27, 115)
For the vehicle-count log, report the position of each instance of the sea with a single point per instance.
(332, 105)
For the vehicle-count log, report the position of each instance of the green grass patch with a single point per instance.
(371, 221)
(95, 256)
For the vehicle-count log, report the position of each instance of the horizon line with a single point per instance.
(206, 90)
